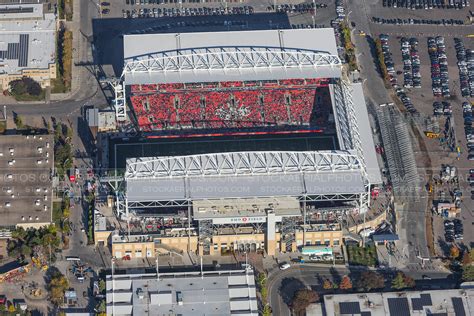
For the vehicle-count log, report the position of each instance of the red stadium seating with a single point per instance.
(229, 104)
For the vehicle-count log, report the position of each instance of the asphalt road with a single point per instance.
(412, 217)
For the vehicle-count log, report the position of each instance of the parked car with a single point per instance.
(284, 266)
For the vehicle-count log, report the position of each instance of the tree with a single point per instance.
(402, 281)
(467, 257)
(327, 285)
(261, 280)
(11, 308)
(102, 286)
(18, 121)
(346, 283)
(454, 252)
(267, 311)
(370, 280)
(57, 286)
(302, 299)
(24, 86)
(468, 273)
(69, 133)
(25, 250)
(101, 306)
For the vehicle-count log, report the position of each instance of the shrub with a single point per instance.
(26, 89)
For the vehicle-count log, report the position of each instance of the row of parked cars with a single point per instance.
(426, 4)
(467, 114)
(388, 60)
(417, 21)
(406, 101)
(411, 63)
(173, 12)
(442, 108)
(453, 230)
(295, 8)
(439, 66)
(466, 68)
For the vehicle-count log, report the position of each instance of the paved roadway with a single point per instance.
(412, 219)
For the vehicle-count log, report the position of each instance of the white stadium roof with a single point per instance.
(240, 55)
(243, 175)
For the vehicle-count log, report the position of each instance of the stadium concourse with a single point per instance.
(237, 86)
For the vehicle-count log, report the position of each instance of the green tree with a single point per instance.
(402, 281)
(302, 299)
(58, 132)
(19, 233)
(468, 273)
(261, 279)
(57, 286)
(25, 250)
(102, 286)
(18, 121)
(69, 133)
(267, 311)
(101, 306)
(264, 293)
(370, 280)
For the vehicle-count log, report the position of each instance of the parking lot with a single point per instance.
(423, 98)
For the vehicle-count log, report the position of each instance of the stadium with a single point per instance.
(248, 141)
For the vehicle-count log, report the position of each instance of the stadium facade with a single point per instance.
(231, 84)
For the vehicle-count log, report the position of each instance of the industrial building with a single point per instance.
(182, 293)
(248, 141)
(27, 44)
(26, 182)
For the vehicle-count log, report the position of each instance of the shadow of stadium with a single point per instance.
(108, 33)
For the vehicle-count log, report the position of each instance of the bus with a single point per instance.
(72, 258)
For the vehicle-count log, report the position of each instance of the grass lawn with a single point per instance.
(29, 97)
(57, 86)
(362, 256)
(57, 213)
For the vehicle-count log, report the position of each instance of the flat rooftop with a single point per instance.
(213, 293)
(406, 303)
(21, 11)
(212, 209)
(141, 47)
(25, 185)
(27, 38)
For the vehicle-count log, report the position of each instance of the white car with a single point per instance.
(284, 266)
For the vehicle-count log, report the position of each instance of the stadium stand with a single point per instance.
(227, 104)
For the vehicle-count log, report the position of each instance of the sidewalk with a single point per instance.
(80, 75)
